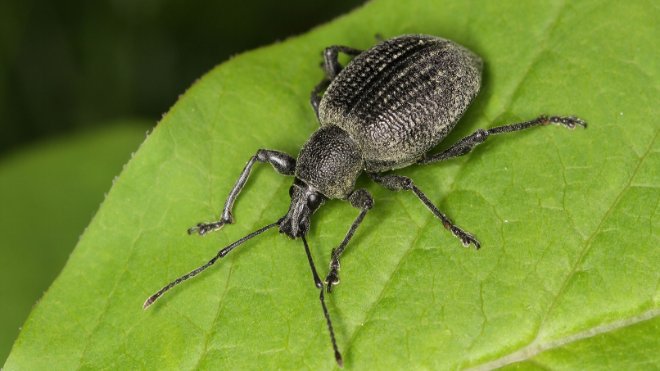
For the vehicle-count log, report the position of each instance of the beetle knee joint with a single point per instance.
(368, 203)
(481, 135)
(262, 155)
(406, 183)
(330, 52)
(361, 199)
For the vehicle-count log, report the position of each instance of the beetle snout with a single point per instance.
(296, 222)
(294, 228)
(304, 202)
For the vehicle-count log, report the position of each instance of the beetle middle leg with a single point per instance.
(362, 200)
(395, 182)
(281, 162)
(468, 143)
(332, 68)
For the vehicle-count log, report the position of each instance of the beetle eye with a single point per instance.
(291, 191)
(314, 201)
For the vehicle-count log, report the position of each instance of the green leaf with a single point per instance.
(567, 220)
(49, 193)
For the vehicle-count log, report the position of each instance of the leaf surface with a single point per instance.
(568, 221)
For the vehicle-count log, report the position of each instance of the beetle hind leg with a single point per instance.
(332, 68)
(467, 144)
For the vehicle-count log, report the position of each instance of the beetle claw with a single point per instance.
(469, 239)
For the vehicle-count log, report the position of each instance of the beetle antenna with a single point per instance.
(319, 285)
(220, 254)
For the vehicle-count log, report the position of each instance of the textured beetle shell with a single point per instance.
(330, 161)
(400, 98)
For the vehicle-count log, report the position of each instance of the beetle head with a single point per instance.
(304, 202)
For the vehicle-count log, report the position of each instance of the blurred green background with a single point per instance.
(80, 85)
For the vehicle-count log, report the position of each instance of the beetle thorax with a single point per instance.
(330, 161)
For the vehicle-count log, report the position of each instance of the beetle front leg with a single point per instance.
(332, 68)
(401, 183)
(281, 162)
(360, 199)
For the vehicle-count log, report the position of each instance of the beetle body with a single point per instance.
(385, 110)
(400, 98)
(395, 102)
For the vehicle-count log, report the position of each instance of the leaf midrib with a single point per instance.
(535, 348)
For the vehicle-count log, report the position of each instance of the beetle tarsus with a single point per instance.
(466, 238)
(204, 228)
(570, 122)
(333, 275)
(332, 278)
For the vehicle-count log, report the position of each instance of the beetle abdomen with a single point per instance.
(400, 98)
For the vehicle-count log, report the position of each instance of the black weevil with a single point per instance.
(385, 110)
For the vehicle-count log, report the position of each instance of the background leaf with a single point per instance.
(567, 220)
(48, 194)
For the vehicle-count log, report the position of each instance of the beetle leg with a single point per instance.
(281, 162)
(315, 97)
(360, 199)
(331, 59)
(401, 183)
(466, 144)
(332, 68)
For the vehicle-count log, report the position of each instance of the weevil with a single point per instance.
(385, 110)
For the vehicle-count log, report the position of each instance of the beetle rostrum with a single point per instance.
(386, 109)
